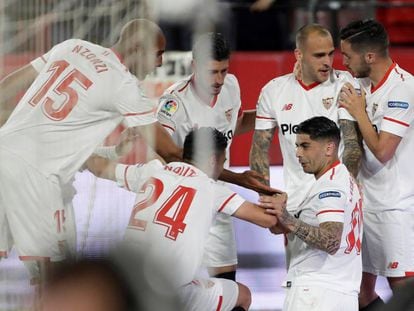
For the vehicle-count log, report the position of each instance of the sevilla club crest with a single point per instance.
(327, 102)
(228, 114)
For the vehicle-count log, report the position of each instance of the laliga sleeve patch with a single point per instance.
(329, 194)
(169, 105)
(398, 104)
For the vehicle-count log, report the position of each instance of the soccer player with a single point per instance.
(79, 92)
(176, 205)
(385, 114)
(286, 101)
(211, 97)
(325, 232)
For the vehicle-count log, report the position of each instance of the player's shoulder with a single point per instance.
(279, 82)
(231, 80)
(179, 88)
(337, 176)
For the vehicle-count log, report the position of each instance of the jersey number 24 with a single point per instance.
(179, 202)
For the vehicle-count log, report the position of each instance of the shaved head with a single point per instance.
(306, 31)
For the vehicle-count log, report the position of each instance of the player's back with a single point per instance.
(172, 218)
(79, 96)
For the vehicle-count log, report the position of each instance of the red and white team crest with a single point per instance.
(228, 114)
(327, 102)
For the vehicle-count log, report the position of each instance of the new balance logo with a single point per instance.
(297, 215)
(287, 107)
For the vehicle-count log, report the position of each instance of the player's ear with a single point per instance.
(330, 148)
(298, 54)
(370, 57)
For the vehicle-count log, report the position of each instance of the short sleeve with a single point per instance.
(227, 201)
(40, 62)
(265, 118)
(132, 177)
(134, 105)
(331, 205)
(169, 109)
(399, 111)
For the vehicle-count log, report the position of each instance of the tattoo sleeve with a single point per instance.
(259, 152)
(352, 139)
(326, 237)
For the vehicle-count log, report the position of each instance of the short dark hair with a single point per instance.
(366, 35)
(211, 45)
(201, 143)
(320, 128)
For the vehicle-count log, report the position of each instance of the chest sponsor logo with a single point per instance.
(229, 114)
(287, 107)
(327, 102)
(397, 104)
(329, 194)
(288, 128)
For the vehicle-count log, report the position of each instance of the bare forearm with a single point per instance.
(352, 146)
(326, 237)
(259, 152)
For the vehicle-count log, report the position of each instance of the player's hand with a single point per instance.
(275, 204)
(351, 100)
(254, 181)
(127, 140)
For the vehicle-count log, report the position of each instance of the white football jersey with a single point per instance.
(181, 110)
(285, 102)
(174, 211)
(82, 92)
(333, 197)
(390, 107)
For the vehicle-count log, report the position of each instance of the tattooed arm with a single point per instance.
(352, 139)
(326, 237)
(259, 152)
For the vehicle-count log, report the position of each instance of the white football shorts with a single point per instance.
(209, 294)
(384, 246)
(220, 249)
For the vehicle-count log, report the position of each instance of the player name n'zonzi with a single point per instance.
(98, 64)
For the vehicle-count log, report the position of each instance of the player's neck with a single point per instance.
(332, 162)
(204, 95)
(380, 71)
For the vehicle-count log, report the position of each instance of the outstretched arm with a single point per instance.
(259, 153)
(351, 136)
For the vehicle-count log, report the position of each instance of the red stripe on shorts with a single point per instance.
(219, 303)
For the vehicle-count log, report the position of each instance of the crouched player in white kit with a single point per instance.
(176, 206)
(325, 268)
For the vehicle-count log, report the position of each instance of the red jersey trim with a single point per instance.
(168, 127)
(397, 121)
(225, 202)
(265, 118)
(185, 85)
(130, 114)
(308, 87)
(220, 302)
(331, 211)
(240, 113)
(335, 164)
(125, 177)
(384, 78)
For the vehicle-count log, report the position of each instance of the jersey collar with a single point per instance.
(308, 87)
(332, 166)
(384, 78)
